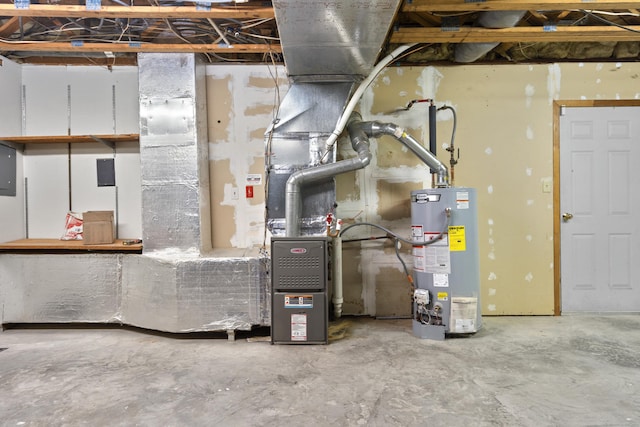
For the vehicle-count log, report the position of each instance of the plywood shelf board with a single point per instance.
(55, 139)
(70, 245)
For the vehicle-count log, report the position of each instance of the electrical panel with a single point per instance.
(7, 171)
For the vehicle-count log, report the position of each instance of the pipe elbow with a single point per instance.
(365, 157)
(294, 182)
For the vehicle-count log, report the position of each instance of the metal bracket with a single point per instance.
(22, 4)
(109, 144)
(94, 4)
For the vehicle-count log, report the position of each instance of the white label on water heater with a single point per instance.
(440, 280)
(437, 255)
(462, 200)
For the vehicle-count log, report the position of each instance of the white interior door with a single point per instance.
(600, 205)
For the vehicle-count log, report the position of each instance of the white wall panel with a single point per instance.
(129, 190)
(10, 107)
(46, 100)
(127, 111)
(12, 208)
(86, 195)
(92, 103)
(45, 167)
(91, 112)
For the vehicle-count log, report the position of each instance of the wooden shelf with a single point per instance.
(71, 139)
(56, 245)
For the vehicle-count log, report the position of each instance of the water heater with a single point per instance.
(444, 229)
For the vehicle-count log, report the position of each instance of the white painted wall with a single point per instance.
(12, 208)
(77, 101)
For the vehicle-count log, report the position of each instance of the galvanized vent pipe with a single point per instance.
(376, 129)
(359, 132)
(293, 203)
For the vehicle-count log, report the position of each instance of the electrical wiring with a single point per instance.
(402, 239)
(606, 21)
(267, 155)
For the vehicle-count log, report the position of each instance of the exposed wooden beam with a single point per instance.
(426, 20)
(162, 12)
(463, 5)
(11, 26)
(136, 47)
(515, 35)
(79, 60)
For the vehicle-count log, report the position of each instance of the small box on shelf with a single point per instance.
(98, 227)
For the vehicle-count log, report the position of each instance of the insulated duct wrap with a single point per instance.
(470, 52)
(332, 37)
(49, 288)
(174, 152)
(182, 293)
(174, 292)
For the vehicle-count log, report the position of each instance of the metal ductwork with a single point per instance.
(296, 141)
(336, 37)
(174, 152)
(328, 48)
(470, 52)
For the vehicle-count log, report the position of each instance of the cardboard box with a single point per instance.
(98, 228)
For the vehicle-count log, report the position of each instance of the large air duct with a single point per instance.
(328, 47)
(470, 52)
(174, 152)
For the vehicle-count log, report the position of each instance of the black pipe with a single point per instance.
(432, 131)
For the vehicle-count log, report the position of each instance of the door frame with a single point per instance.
(557, 108)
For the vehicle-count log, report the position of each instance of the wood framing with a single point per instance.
(516, 34)
(64, 139)
(160, 12)
(136, 47)
(465, 5)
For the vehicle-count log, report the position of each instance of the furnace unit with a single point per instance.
(300, 290)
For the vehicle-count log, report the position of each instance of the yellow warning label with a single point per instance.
(443, 296)
(457, 241)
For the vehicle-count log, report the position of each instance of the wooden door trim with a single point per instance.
(557, 107)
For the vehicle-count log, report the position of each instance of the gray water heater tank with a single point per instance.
(446, 271)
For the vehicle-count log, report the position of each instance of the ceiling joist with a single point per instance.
(515, 35)
(159, 12)
(466, 6)
(137, 47)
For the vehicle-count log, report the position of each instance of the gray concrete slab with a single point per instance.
(517, 371)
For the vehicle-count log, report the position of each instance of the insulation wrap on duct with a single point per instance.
(174, 152)
(470, 52)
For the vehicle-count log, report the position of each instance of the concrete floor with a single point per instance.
(518, 371)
